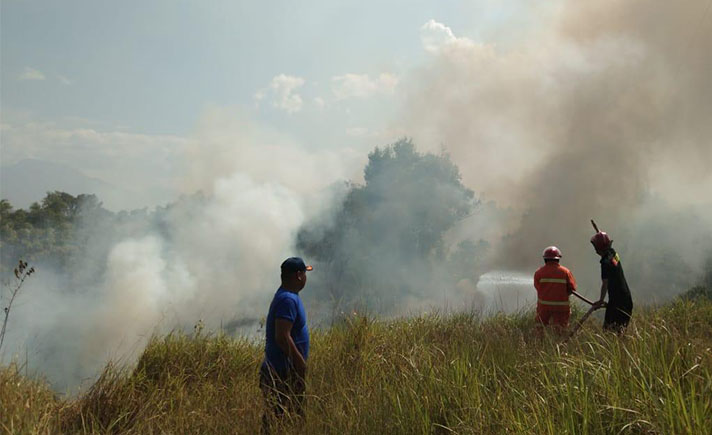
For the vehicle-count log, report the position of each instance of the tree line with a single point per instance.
(48, 230)
(385, 239)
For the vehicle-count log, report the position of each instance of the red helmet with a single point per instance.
(552, 253)
(601, 241)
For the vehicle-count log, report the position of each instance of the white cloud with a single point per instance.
(319, 102)
(282, 90)
(362, 86)
(109, 155)
(64, 80)
(228, 141)
(31, 74)
(357, 131)
(436, 37)
(386, 135)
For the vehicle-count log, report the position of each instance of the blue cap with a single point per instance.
(294, 264)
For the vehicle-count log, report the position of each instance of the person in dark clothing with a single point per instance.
(620, 304)
(283, 370)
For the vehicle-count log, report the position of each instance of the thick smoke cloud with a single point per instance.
(211, 258)
(602, 111)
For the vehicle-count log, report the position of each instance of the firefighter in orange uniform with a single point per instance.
(554, 283)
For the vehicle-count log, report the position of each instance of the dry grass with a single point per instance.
(432, 374)
(26, 406)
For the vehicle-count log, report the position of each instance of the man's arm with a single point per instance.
(604, 291)
(571, 284)
(283, 337)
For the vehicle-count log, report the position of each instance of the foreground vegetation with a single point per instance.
(431, 374)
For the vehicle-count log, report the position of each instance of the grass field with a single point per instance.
(431, 374)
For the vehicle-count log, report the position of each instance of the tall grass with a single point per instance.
(431, 374)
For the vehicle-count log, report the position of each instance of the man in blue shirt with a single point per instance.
(284, 368)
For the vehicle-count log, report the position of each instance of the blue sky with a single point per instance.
(152, 67)
(112, 88)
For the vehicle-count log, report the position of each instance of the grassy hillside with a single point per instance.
(431, 374)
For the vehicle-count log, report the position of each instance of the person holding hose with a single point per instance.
(283, 370)
(553, 283)
(613, 283)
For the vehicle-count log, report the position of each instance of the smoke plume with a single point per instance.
(602, 111)
(208, 258)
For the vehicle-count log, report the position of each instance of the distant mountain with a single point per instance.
(29, 180)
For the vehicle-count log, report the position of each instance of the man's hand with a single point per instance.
(604, 291)
(300, 367)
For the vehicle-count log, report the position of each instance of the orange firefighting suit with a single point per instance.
(554, 283)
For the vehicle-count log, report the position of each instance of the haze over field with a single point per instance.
(552, 114)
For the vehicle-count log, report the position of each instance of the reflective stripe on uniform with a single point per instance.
(556, 280)
(558, 303)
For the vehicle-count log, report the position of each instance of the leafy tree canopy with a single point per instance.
(48, 230)
(387, 231)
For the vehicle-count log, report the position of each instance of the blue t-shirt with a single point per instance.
(286, 305)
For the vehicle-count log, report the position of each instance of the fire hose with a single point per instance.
(585, 316)
(583, 298)
(593, 308)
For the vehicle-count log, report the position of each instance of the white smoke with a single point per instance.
(597, 110)
(211, 258)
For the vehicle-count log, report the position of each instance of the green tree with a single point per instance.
(389, 231)
(53, 230)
